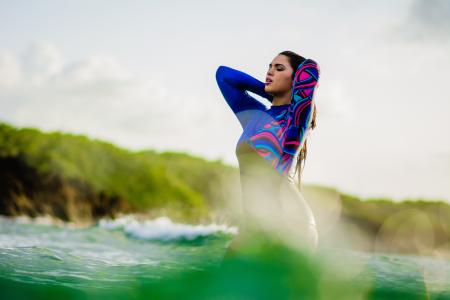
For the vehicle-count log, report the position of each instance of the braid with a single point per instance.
(303, 151)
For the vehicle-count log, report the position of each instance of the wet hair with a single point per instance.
(295, 60)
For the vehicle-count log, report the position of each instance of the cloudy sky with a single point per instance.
(142, 75)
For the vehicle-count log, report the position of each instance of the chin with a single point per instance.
(270, 91)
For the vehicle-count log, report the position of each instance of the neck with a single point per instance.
(282, 99)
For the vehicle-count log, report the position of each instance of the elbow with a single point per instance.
(221, 73)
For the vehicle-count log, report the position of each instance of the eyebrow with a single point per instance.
(277, 65)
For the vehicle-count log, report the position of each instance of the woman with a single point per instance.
(273, 142)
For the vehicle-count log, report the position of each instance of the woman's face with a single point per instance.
(279, 76)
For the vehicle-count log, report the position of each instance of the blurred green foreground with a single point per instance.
(261, 269)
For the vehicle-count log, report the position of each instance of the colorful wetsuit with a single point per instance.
(270, 141)
(278, 133)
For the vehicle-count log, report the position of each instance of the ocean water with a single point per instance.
(160, 259)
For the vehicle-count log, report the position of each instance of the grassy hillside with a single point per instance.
(414, 226)
(144, 180)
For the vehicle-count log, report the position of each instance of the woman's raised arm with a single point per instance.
(242, 81)
(234, 85)
(300, 110)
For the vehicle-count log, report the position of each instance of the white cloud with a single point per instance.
(40, 62)
(94, 69)
(425, 21)
(332, 100)
(95, 96)
(9, 70)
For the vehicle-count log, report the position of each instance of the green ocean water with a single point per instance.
(159, 259)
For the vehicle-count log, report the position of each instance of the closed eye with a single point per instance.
(280, 67)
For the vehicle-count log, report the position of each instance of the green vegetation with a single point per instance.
(410, 226)
(146, 179)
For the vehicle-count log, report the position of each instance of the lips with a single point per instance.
(268, 81)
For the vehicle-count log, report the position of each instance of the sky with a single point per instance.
(141, 74)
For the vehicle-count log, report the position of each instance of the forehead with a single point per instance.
(280, 59)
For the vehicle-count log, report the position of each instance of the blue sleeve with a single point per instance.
(234, 85)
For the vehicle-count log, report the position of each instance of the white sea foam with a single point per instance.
(164, 229)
